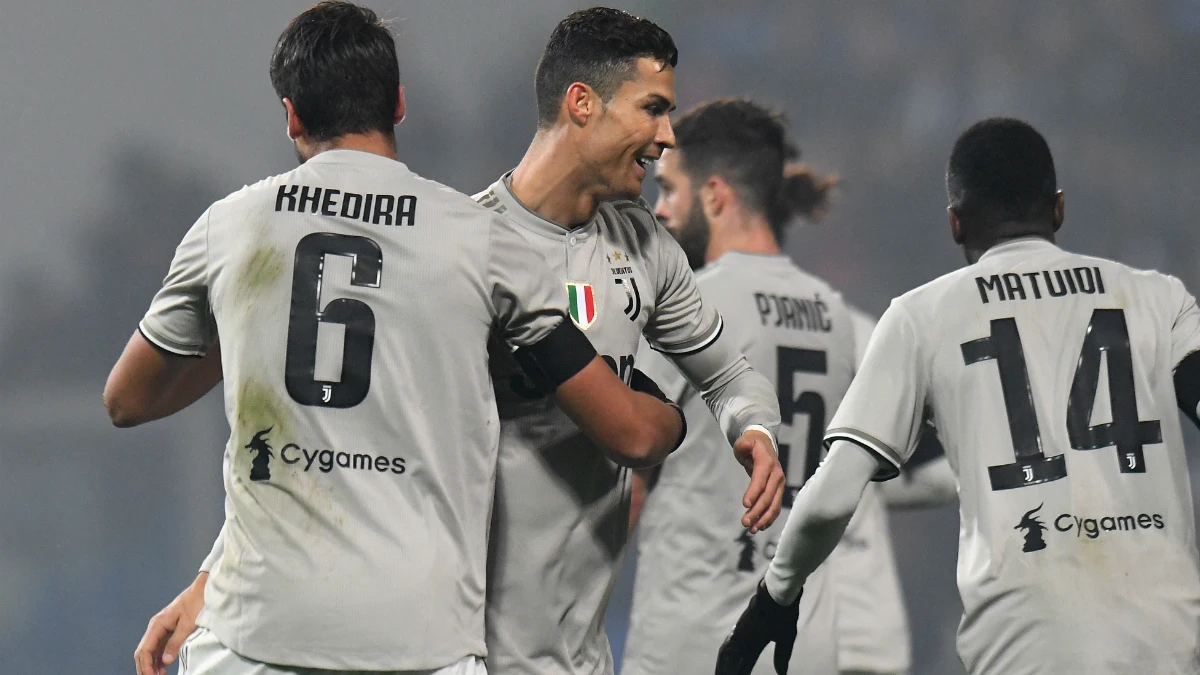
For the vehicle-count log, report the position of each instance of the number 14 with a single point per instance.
(1108, 333)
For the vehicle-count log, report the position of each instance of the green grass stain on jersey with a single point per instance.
(261, 269)
(259, 408)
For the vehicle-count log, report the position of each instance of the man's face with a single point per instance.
(631, 131)
(679, 210)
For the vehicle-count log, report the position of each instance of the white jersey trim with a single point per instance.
(889, 467)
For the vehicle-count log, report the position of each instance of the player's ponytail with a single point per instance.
(804, 193)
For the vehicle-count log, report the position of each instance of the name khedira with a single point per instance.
(375, 209)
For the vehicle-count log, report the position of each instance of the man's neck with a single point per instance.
(975, 252)
(374, 142)
(552, 182)
(746, 234)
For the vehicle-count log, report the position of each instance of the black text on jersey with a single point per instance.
(373, 209)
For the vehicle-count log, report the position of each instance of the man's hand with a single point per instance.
(168, 630)
(762, 622)
(764, 498)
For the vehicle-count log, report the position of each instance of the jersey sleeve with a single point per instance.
(681, 323)
(664, 373)
(864, 326)
(180, 319)
(884, 407)
(1185, 331)
(528, 301)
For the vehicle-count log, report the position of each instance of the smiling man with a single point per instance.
(605, 85)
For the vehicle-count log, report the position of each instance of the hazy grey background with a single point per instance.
(121, 121)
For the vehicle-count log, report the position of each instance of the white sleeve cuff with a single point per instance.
(759, 427)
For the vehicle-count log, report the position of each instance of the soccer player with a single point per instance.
(695, 565)
(724, 196)
(354, 302)
(1052, 379)
(605, 86)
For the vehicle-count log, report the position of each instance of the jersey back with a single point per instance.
(696, 563)
(1049, 376)
(354, 301)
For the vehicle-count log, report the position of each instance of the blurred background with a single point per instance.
(121, 121)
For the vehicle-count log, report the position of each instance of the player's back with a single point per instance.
(696, 563)
(1049, 375)
(354, 309)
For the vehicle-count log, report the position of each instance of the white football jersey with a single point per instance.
(354, 302)
(696, 563)
(1049, 376)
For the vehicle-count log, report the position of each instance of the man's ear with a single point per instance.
(581, 104)
(955, 225)
(1060, 210)
(716, 196)
(401, 109)
(295, 128)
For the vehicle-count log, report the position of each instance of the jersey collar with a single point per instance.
(754, 258)
(1023, 245)
(529, 219)
(345, 156)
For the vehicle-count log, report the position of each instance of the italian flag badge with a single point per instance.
(582, 304)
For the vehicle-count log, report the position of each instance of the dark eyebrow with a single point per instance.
(659, 99)
(661, 181)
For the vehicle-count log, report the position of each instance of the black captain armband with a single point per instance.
(1187, 386)
(641, 382)
(557, 357)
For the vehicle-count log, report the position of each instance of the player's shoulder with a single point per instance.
(633, 217)
(1139, 278)
(737, 267)
(932, 294)
(489, 198)
(250, 195)
(636, 210)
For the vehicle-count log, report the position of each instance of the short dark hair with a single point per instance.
(599, 47)
(1001, 171)
(747, 145)
(336, 62)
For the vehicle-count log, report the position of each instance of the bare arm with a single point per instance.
(641, 484)
(148, 383)
(636, 429)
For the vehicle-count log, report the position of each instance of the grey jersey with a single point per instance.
(697, 565)
(354, 301)
(1049, 375)
(561, 515)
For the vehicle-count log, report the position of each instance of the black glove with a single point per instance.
(762, 622)
(641, 382)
